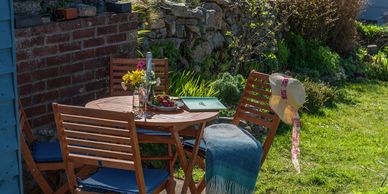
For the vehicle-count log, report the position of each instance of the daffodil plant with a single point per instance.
(139, 78)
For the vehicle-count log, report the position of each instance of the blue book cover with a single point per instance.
(202, 103)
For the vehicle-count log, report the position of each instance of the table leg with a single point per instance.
(182, 160)
(194, 154)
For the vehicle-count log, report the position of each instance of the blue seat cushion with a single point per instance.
(152, 132)
(122, 181)
(190, 143)
(47, 152)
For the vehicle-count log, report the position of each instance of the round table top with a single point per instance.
(157, 118)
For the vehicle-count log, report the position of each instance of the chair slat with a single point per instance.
(94, 136)
(260, 91)
(265, 107)
(94, 128)
(259, 75)
(253, 111)
(99, 144)
(247, 95)
(120, 66)
(101, 161)
(135, 61)
(86, 112)
(258, 121)
(259, 84)
(89, 120)
(100, 152)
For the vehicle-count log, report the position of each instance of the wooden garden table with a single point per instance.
(178, 122)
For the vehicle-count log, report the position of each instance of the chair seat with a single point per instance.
(47, 152)
(189, 143)
(152, 132)
(122, 181)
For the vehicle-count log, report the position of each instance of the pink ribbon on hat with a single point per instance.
(295, 151)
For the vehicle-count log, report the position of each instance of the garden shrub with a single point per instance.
(310, 58)
(332, 22)
(217, 62)
(167, 50)
(318, 95)
(372, 34)
(377, 67)
(283, 53)
(229, 88)
(322, 59)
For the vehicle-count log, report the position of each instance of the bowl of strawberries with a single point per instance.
(165, 103)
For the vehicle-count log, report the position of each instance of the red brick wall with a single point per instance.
(67, 62)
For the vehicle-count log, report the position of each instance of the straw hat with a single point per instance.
(287, 106)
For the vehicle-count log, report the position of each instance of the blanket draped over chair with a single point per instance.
(233, 159)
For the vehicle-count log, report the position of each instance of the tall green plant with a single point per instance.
(188, 83)
(377, 68)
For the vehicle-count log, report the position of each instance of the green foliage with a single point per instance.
(309, 58)
(297, 47)
(269, 64)
(326, 61)
(360, 64)
(258, 34)
(318, 95)
(167, 50)
(188, 83)
(217, 62)
(377, 68)
(372, 34)
(283, 53)
(229, 88)
(151, 149)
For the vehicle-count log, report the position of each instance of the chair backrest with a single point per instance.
(26, 133)
(120, 66)
(254, 107)
(98, 137)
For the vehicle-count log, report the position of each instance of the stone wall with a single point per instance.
(200, 30)
(67, 62)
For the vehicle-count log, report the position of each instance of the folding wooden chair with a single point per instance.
(120, 66)
(109, 141)
(254, 108)
(44, 156)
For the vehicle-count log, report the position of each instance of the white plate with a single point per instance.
(167, 108)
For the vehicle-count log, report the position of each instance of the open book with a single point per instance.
(202, 104)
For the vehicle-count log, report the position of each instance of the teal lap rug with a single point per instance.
(233, 159)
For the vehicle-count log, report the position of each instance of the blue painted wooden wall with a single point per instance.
(10, 159)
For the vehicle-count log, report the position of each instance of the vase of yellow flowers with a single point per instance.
(141, 81)
(135, 80)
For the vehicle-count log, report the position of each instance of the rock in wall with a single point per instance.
(201, 30)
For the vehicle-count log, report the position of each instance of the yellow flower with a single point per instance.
(133, 78)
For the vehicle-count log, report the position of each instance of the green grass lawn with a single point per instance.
(344, 148)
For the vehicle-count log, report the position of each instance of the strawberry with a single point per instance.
(159, 98)
(166, 97)
(172, 104)
(165, 103)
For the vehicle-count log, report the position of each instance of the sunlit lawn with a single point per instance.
(344, 148)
